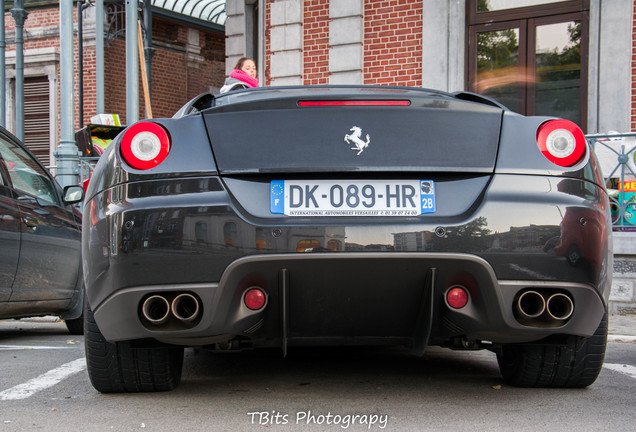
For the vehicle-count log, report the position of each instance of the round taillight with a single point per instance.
(254, 299)
(561, 142)
(145, 145)
(457, 297)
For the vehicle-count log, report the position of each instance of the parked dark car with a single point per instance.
(40, 234)
(336, 216)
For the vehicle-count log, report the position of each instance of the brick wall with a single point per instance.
(40, 31)
(115, 79)
(266, 77)
(175, 77)
(392, 42)
(316, 42)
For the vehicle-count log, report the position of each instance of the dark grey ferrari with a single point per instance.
(340, 216)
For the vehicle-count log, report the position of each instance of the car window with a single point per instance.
(26, 175)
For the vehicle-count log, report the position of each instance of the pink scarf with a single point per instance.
(240, 75)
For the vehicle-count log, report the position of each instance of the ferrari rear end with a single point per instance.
(335, 216)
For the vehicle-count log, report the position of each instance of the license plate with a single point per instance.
(352, 198)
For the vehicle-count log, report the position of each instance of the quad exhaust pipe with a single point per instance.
(560, 307)
(530, 304)
(185, 307)
(533, 305)
(158, 309)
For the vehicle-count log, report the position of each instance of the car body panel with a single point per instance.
(50, 253)
(285, 138)
(200, 223)
(43, 270)
(10, 238)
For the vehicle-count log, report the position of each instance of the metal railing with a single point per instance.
(86, 166)
(616, 154)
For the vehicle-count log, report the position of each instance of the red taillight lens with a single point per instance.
(561, 142)
(145, 145)
(457, 297)
(254, 299)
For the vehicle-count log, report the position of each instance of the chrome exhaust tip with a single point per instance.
(156, 309)
(560, 307)
(530, 304)
(185, 307)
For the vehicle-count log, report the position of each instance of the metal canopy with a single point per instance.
(206, 10)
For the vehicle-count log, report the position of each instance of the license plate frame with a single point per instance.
(301, 198)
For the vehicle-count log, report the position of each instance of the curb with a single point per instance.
(621, 338)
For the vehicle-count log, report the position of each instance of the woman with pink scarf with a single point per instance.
(243, 76)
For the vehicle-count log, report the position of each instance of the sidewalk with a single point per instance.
(622, 328)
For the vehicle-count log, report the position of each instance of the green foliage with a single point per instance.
(497, 49)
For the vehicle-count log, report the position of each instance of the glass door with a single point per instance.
(533, 60)
(499, 63)
(558, 75)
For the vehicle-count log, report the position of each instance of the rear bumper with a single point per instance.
(369, 281)
(350, 299)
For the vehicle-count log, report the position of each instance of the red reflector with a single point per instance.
(355, 103)
(254, 299)
(457, 297)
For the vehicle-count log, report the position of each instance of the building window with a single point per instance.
(230, 234)
(334, 245)
(37, 117)
(201, 233)
(496, 5)
(532, 59)
(307, 245)
(252, 30)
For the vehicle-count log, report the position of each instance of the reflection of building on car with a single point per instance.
(583, 239)
(40, 265)
(209, 232)
(202, 232)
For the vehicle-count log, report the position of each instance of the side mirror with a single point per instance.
(73, 194)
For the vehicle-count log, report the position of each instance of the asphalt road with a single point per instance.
(44, 386)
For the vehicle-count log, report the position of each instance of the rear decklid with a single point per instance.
(351, 129)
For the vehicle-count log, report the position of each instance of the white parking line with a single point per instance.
(30, 347)
(44, 381)
(626, 369)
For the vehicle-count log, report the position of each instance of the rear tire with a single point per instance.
(575, 363)
(120, 368)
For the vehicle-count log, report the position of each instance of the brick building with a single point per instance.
(570, 58)
(442, 44)
(189, 59)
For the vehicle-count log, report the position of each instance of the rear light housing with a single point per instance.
(562, 142)
(254, 299)
(457, 296)
(145, 145)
